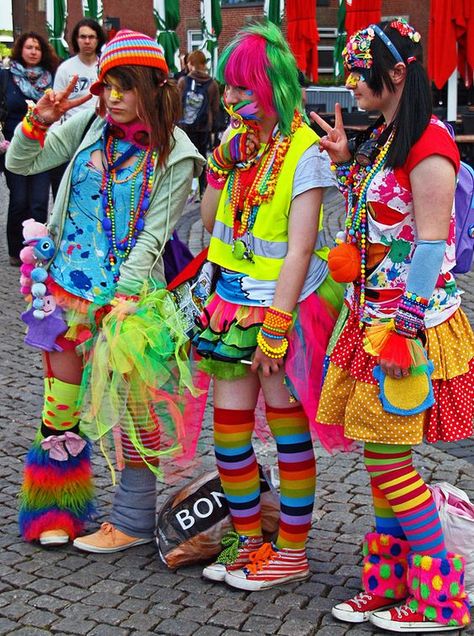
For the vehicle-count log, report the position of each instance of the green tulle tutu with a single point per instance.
(136, 372)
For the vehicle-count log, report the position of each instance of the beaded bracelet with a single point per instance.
(33, 126)
(409, 319)
(215, 180)
(277, 320)
(275, 353)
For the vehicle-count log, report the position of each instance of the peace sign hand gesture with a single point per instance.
(335, 141)
(52, 105)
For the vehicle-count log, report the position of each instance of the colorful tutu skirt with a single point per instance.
(136, 381)
(350, 394)
(228, 335)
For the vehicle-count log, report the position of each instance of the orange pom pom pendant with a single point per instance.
(344, 263)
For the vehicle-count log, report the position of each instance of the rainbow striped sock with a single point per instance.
(297, 468)
(391, 471)
(385, 520)
(238, 468)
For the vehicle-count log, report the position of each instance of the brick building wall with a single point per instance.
(28, 16)
(139, 16)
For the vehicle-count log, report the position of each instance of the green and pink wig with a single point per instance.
(258, 58)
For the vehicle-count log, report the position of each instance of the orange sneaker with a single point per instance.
(108, 539)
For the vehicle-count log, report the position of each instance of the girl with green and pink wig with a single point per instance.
(267, 325)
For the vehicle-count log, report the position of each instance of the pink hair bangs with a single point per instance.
(247, 66)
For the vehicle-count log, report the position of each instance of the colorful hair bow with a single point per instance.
(405, 29)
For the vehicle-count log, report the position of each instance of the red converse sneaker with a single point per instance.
(270, 566)
(359, 608)
(404, 619)
(234, 556)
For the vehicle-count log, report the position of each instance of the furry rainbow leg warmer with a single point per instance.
(385, 565)
(437, 588)
(57, 488)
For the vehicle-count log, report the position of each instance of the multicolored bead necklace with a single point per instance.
(247, 195)
(145, 164)
(358, 181)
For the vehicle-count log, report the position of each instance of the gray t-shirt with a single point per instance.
(87, 76)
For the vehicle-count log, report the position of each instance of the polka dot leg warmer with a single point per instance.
(385, 566)
(437, 588)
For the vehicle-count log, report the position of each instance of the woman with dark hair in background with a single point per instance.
(33, 63)
(402, 367)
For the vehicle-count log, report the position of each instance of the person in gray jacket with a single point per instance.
(112, 338)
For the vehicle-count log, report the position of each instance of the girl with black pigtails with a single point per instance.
(402, 366)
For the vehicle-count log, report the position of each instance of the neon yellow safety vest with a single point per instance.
(269, 235)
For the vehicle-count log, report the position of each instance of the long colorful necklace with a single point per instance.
(252, 185)
(359, 180)
(145, 164)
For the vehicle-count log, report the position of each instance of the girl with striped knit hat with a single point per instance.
(94, 277)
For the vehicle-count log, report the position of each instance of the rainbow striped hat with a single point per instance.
(129, 48)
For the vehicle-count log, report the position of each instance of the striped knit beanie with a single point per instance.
(129, 48)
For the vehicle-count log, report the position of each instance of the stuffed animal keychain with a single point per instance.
(38, 251)
(43, 317)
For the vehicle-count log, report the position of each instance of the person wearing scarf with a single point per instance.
(30, 75)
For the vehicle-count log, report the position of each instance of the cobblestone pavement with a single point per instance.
(64, 591)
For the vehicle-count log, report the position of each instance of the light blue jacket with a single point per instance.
(169, 194)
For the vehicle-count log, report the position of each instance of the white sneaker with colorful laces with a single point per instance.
(270, 566)
(235, 555)
(359, 608)
(404, 619)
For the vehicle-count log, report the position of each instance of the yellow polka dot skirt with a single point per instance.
(350, 392)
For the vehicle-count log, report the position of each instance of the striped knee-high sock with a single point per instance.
(391, 471)
(385, 520)
(238, 468)
(297, 469)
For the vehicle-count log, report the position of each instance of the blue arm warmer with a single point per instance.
(425, 267)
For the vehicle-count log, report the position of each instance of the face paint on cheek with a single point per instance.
(353, 79)
(116, 94)
(245, 111)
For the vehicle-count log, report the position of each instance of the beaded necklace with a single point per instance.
(253, 184)
(358, 181)
(145, 164)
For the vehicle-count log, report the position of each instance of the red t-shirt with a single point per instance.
(435, 140)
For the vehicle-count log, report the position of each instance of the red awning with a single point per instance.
(361, 13)
(451, 40)
(303, 37)
(465, 38)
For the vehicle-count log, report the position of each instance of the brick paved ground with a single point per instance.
(64, 591)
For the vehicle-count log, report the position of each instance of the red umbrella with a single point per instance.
(451, 40)
(361, 13)
(303, 37)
